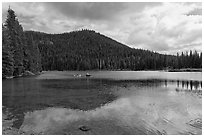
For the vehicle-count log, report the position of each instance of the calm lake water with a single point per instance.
(108, 102)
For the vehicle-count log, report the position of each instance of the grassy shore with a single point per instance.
(186, 70)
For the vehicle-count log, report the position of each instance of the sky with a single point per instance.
(162, 27)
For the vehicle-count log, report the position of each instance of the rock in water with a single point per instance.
(197, 123)
(84, 128)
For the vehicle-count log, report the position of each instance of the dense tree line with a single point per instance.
(79, 50)
(88, 50)
(19, 52)
(189, 60)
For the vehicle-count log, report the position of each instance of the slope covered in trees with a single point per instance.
(78, 50)
(86, 49)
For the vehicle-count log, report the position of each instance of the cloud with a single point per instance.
(96, 11)
(162, 27)
(165, 29)
(92, 11)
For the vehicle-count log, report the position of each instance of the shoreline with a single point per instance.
(25, 74)
(185, 70)
(167, 70)
(29, 73)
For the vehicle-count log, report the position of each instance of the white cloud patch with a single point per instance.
(167, 28)
(162, 27)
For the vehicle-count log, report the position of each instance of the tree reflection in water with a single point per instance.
(189, 85)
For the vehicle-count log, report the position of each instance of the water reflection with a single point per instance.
(140, 111)
(149, 106)
(189, 85)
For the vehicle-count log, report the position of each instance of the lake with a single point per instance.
(108, 102)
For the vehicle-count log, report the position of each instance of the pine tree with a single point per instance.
(15, 33)
(7, 55)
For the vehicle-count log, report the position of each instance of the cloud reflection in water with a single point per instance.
(141, 111)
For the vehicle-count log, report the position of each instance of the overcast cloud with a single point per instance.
(162, 27)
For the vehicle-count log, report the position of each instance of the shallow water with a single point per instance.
(106, 103)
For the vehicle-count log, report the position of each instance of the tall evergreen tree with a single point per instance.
(15, 33)
(7, 55)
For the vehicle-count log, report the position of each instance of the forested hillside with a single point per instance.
(79, 50)
(86, 49)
